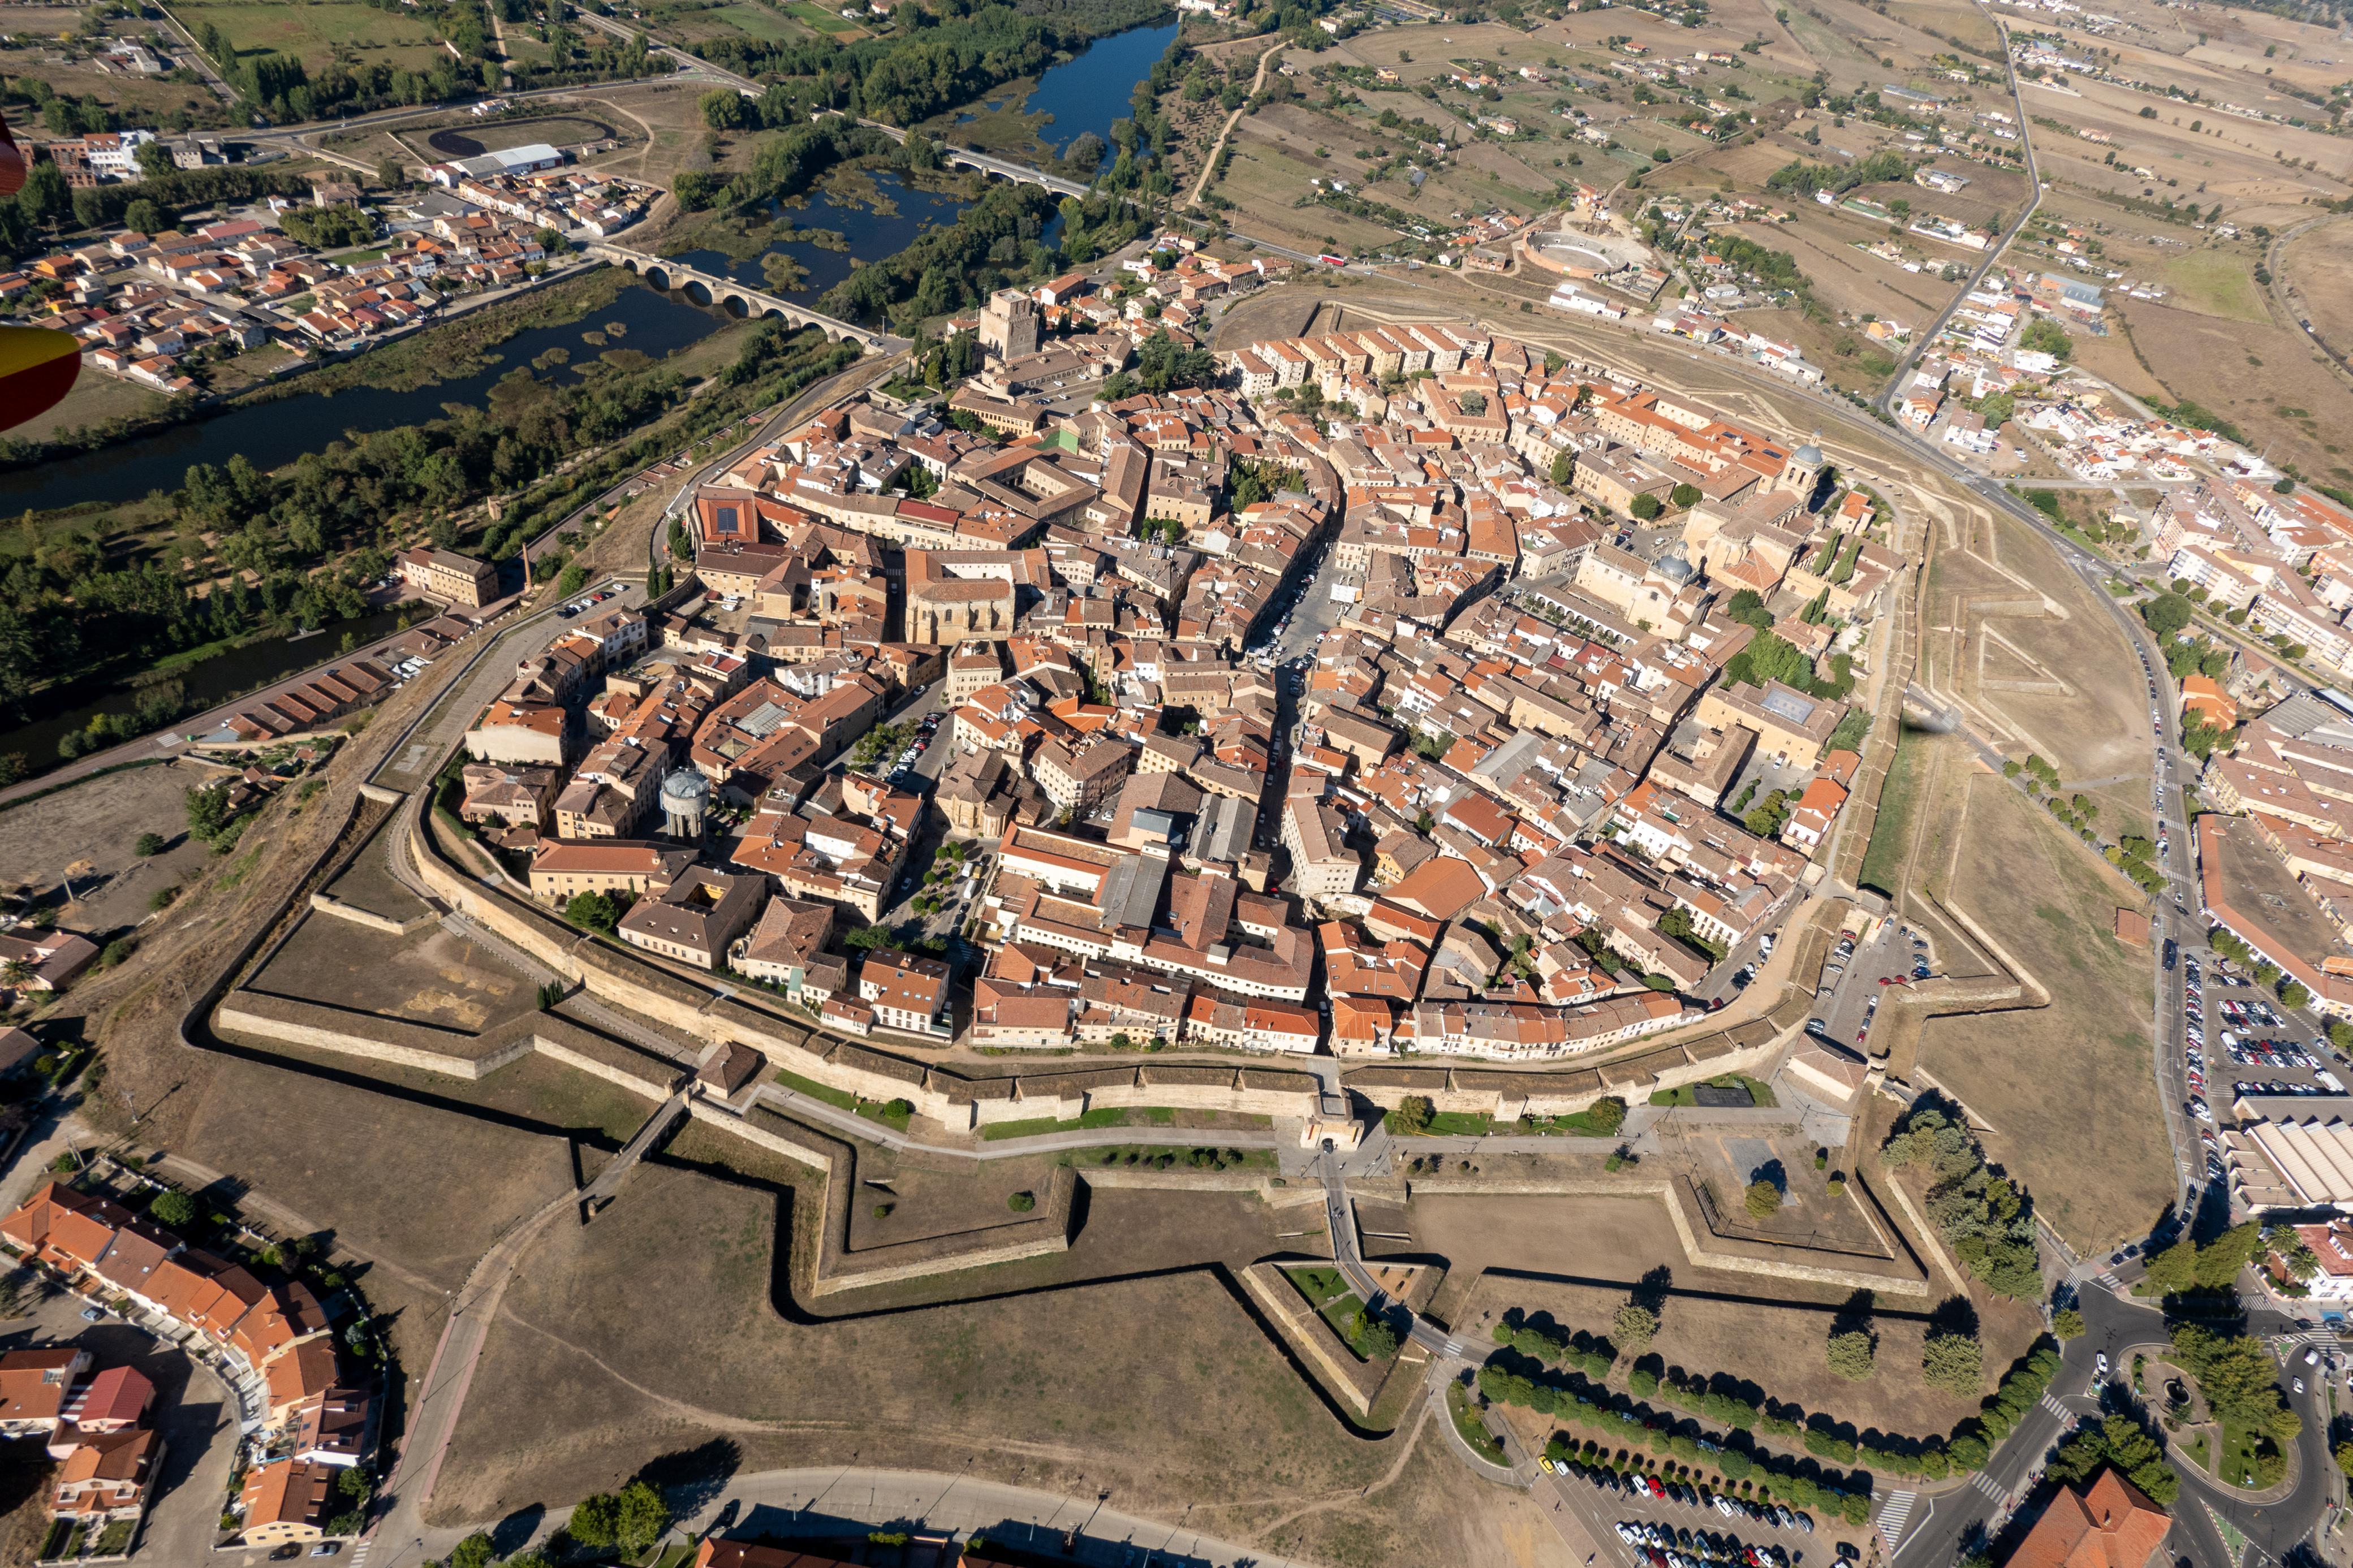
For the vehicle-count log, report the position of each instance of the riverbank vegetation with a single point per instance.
(933, 60)
(295, 547)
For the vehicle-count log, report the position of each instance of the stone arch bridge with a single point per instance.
(710, 288)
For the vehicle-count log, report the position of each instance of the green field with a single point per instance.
(760, 22)
(2215, 283)
(824, 21)
(317, 33)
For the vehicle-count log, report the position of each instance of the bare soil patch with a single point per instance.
(429, 976)
(99, 821)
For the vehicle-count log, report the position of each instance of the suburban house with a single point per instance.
(285, 1501)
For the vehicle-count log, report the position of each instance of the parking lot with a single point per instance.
(1857, 978)
(2240, 1043)
(1671, 1525)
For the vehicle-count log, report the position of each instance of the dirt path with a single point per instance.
(1226, 135)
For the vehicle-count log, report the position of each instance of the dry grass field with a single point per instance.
(419, 1191)
(99, 822)
(2031, 655)
(321, 31)
(1068, 1389)
(2268, 379)
(96, 399)
(2066, 1090)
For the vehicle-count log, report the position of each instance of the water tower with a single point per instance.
(685, 796)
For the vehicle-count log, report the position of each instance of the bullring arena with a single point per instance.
(1576, 253)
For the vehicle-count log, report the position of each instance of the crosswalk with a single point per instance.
(359, 1553)
(2052, 1405)
(2108, 1280)
(1984, 1484)
(1893, 1516)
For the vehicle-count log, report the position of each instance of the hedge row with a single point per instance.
(1966, 1449)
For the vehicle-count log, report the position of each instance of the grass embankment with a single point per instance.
(1472, 1425)
(1899, 796)
(891, 1113)
(1758, 1093)
(1328, 1291)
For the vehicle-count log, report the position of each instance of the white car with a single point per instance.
(2100, 1366)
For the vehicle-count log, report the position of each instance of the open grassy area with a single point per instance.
(1473, 1424)
(1758, 1092)
(96, 399)
(1086, 1121)
(1328, 1291)
(2095, 1157)
(1891, 832)
(318, 31)
(840, 1099)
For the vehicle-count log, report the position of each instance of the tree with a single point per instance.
(2067, 1324)
(474, 1551)
(1954, 1362)
(143, 216)
(1763, 1200)
(1851, 1354)
(390, 172)
(1606, 1115)
(2294, 995)
(573, 579)
(1412, 1115)
(644, 1515)
(1684, 495)
(1645, 506)
(593, 911)
(2166, 613)
(172, 1209)
(2175, 1269)
(1634, 1327)
(1372, 1336)
(1564, 467)
(207, 811)
(2118, 1441)
(149, 844)
(723, 109)
(596, 1520)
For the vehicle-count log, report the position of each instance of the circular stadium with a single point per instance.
(1577, 254)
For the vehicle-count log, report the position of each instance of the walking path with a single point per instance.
(1225, 132)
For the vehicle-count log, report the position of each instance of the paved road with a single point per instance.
(1942, 1528)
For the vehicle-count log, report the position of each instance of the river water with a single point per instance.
(1094, 88)
(209, 682)
(271, 434)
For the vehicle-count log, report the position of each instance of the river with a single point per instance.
(273, 434)
(872, 235)
(207, 682)
(1095, 87)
